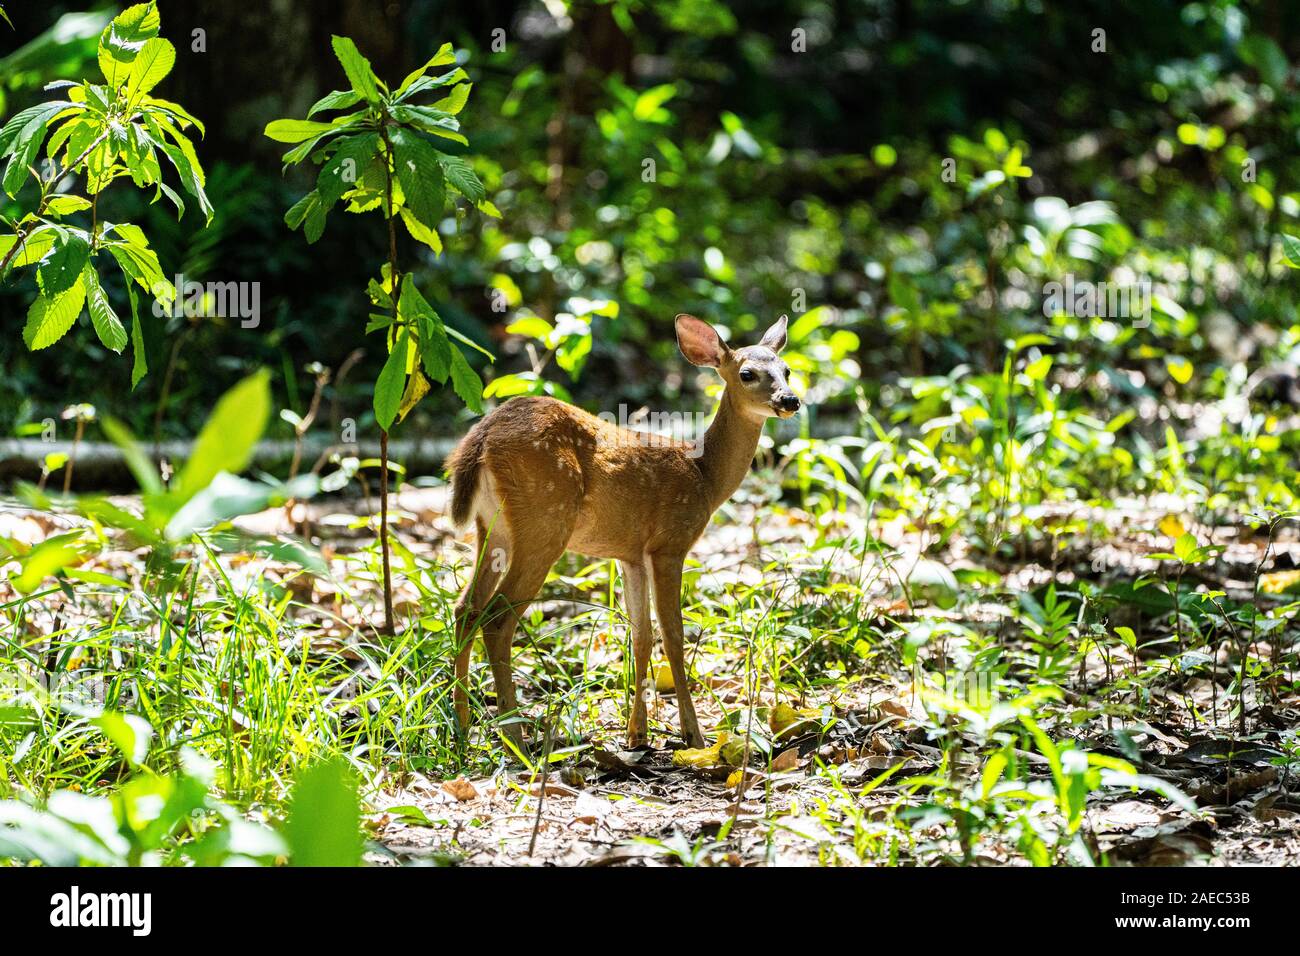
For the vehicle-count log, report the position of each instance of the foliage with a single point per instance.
(106, 132)
(400, 157)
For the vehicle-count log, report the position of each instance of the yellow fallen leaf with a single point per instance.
(663, 677)
(702, 757)
(787, 721)
(1172, 525)
(732, 751)
(1279, 582)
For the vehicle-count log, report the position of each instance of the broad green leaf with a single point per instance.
(49, 557)
(229, 436)
(177, 112)
(25, 123)
(357, 68)
(391, 383)
(342, 170)
(107, 325)
(461, 176)
(420, 175)
(466, 382)
(455, 102)
(62, 267)
(228, 496)
(35, 248)
(130, 733)
(154, 61)
(295, 130)
(1291, 250)
(420, 232)
(338, 100)
(139, 360)
(66, 205)
(445, 56)
(323, 827)
(145, 472)
(429, 120)
(48, 320)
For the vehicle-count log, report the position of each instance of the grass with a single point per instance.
(980, 713)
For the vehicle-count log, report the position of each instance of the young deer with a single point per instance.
(539, 476)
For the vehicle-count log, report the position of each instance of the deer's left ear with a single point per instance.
(774, 338)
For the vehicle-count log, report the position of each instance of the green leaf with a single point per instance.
(308, 210)
(323, 827)
(49, 319)
(25, 122)
(49, 557)
(152, 64)
(342, 170)
(456, 100)
(338, 100)
(1291, 250)
(420, 232)
(228, 496)
(391, 382)
(146, 475)
(191, 174)
(1185, 548)
(462, 177)
(107, 325)
(66, 205)
(445, 56)
(63, 266)
(139, 361)
(357, 68)
(130, 733)
(435, 350)
(420, 175)
(430, 120)
(229, 436)
(466, 382)
(295, 130)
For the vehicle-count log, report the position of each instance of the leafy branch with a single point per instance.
(106, 132)
(390, 153)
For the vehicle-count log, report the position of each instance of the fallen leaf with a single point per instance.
(461, 789)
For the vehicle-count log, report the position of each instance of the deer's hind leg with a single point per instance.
(489, 568)
(536, 543)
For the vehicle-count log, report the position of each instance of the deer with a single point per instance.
(538, 477)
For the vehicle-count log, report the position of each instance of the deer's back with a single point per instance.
(623, 492)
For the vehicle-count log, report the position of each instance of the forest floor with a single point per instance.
(878, 774)
(606, 805)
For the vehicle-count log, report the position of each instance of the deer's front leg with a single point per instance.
(636, 597)
(667, 573)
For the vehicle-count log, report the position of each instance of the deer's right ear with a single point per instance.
(700, 342)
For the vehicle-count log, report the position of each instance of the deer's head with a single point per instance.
(755, 374)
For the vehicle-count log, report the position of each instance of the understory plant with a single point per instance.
(100, 132)
(386, 151)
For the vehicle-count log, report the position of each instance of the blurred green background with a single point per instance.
(904, 187)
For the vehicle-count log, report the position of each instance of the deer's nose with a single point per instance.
(790, 403)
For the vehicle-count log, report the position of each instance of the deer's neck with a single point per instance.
(729, 446)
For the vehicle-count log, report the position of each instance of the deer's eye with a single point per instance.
(747, 375)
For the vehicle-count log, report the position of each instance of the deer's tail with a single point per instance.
(463, 467)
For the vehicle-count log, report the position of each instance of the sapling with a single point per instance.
(385, 151)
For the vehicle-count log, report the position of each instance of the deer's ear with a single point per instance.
(774, 338)
(700, 342)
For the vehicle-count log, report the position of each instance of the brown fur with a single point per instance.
(462, 468)
(540, 476)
